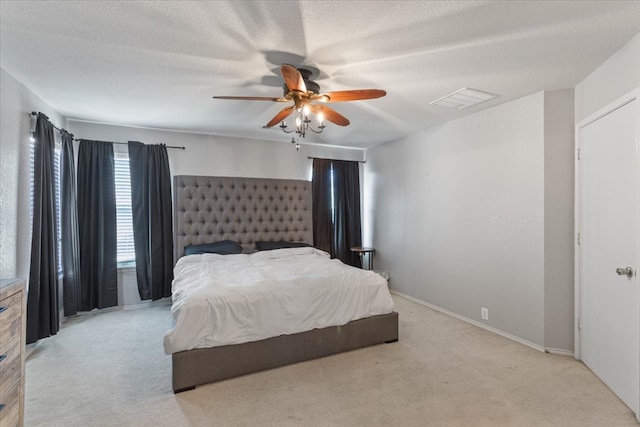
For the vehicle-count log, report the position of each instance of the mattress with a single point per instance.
(231, 299)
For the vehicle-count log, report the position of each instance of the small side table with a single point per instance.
(362, 252)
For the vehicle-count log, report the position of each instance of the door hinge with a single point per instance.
(578, 154)
(579, 325)
(578, 240)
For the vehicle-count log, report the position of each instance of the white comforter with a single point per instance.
(231, 299)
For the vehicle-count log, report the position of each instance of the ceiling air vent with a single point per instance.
(464, 98)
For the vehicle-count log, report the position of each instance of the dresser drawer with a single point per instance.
(10, 412)
(10, 348)
(12, 351)
(10, 359)
(10, 364)
(10, 319)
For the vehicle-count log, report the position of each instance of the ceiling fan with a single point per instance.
(307, 98)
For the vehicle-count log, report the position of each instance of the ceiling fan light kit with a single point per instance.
(303, 123)
(307, 99)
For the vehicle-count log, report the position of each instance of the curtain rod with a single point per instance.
(324, 158)
(126, 143)
(33, 113)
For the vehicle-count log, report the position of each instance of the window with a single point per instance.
(124, 220)
(57, 189)
(336, 212)
(333, 197)
(57, 182)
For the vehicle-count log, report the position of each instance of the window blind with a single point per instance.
(57, 182)
(126, 250)
(57, 188)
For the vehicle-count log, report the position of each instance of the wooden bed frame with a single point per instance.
(246, 210)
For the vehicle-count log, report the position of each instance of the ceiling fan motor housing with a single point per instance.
(310, 84)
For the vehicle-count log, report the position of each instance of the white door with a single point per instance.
(609, 227)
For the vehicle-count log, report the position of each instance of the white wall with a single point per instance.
(458, 215)
(223, 156)
(619, 75)
(16, 101)
(559, 167)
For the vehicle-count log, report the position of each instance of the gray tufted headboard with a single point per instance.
(209, 209)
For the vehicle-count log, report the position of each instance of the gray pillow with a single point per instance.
(224, 247)
(267, 246)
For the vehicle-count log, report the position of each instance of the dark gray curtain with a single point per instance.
(69, 228)
(347, 219)
(321, 205)
(152, 219)
(337, 224)
(97, 225)
(42, 298)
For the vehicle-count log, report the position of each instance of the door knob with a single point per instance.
(625, 272)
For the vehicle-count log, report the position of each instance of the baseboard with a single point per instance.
(147, 303)
(559, 352)
(142, 304)
(31, 348)
(483, 326)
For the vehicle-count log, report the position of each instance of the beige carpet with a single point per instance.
(108, 369)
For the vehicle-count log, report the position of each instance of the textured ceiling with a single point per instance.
(158, 63)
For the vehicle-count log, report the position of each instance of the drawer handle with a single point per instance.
(3, 309)
(2, 357)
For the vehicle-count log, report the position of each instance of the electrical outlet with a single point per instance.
(484, 313)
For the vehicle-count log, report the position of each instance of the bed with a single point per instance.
(244, 211)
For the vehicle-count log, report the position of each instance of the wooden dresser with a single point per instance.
(12, 351)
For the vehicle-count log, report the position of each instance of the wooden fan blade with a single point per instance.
(252, 98)
(292, 78)
(330, 115)
(351, 95)
(283, 114)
